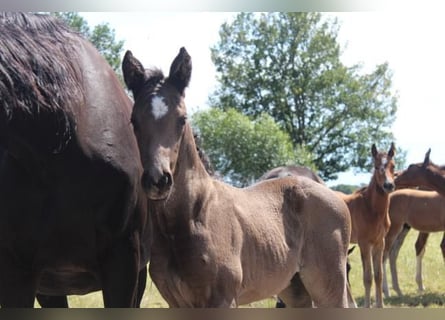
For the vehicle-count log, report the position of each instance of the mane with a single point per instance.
(38, 68)
(154, 78)
(203, 156)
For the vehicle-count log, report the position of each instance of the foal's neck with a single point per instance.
(435, 180)
(377, 198)
(190, 182)
(190, 177)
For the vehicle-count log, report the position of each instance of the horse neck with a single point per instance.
(435, 181)
(190, 176)
(377, 198)
(190, 183)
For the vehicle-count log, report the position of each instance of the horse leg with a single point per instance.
(442, 246)
(377, 263)
(52, 301)
(120, 274)
(295, 295)
(17, 286)
(323, 276)
(392, 246)
(142, 282)
(280, 303)
(365, 253)
(420, 252)
(393, 254)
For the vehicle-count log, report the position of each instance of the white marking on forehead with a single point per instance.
(159, 108)
(384, 161)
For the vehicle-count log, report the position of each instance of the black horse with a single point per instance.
(72, 216)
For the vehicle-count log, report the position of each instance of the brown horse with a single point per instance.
(370, 222)
(425, 174)
(215, 245)
(301, 171)
(421, 210)
(72, 213)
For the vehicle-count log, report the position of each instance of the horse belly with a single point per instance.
(68, 282)
(267, 277)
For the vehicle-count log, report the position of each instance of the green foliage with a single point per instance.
(102, 37)
(346, 188)
(241, 150)
(288, 66)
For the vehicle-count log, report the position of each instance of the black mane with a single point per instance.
(39, 73)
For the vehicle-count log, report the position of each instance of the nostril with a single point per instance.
(388, 185)
(165, 181)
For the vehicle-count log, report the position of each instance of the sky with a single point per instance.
(411, 43)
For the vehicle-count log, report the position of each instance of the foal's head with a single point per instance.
(418, 174)
(159, 118)
(384, 168)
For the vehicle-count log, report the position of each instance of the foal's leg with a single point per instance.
(377, 262)
(295, 295)
(420, 252)
(393, 254)
(442, 246)
(365, 253)
(393, 240)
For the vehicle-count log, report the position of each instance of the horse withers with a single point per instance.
(215, 245)
(72, 220)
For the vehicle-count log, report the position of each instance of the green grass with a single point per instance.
(433, 278)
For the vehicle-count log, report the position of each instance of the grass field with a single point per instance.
(433, 277)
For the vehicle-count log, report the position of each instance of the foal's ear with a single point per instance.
(392, 150)
(426, 161)
(134, 73)
(181, 70)
(374, 150)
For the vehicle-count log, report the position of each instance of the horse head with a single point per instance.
(158, 118)
(384, 168)
(420, 174)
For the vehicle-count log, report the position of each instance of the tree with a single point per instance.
(241, 150)
(288, 66)
(102, 37)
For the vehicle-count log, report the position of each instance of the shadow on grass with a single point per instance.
(427, 299)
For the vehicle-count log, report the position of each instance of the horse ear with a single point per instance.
(392, 150)
(374, 150)
(181, 70)
(134, 73)
(426, 161)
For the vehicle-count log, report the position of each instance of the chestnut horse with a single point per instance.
(215, 245)
(72, 213)
(421, 210)
(424, 174)
(368, 207)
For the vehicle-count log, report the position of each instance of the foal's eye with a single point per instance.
(182, 120)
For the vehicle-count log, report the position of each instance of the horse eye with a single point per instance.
(182, 120)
